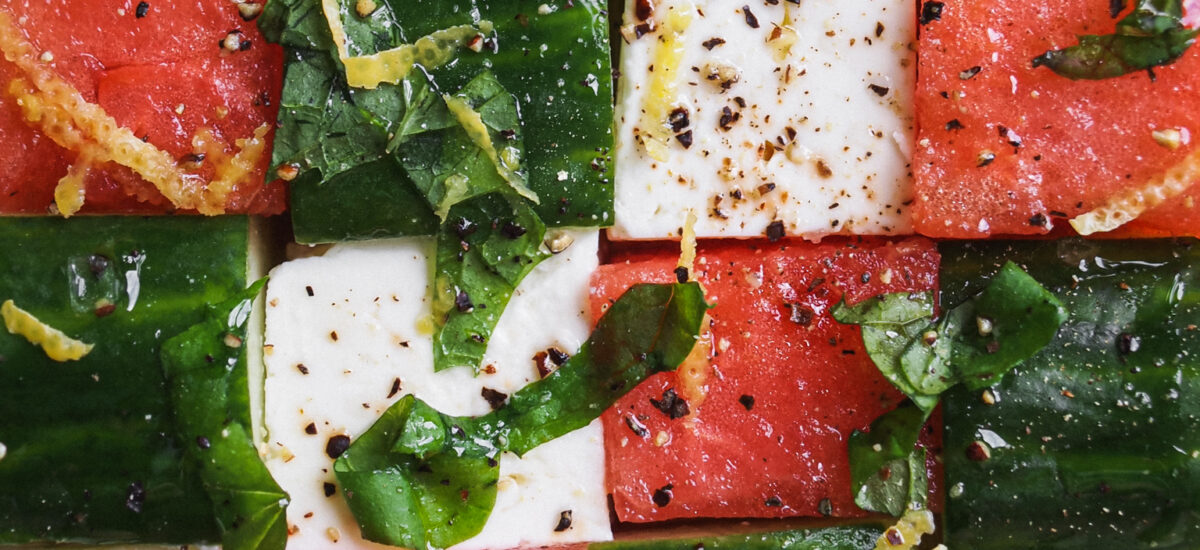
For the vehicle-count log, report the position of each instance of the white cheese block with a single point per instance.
(817, 136)
(351, 319)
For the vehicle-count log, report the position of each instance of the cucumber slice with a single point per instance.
(1094, 442)
(553, 58)
(91, 452)
(829, 538)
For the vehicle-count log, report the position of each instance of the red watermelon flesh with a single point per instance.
(163, 75)
(1080, 142)
(769, 437)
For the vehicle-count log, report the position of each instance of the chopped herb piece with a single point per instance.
(1154, 34)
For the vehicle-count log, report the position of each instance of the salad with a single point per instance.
(652, 274)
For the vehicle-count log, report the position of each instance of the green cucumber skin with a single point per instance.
(1113, 466)
(78, 433)
(829, 538)
(570, 133)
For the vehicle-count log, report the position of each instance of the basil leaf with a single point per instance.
(975, 343)
(1153, 34)
(320, 126)
(890, 325)
(463, 146)
(295, 24)
(887, 469)
(206, 374)
(419, 478)
(484, 250)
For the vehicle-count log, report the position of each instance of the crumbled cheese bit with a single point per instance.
(57, 345)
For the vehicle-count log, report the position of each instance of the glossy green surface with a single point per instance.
(830, 538)
(79, 434)
(559, 68)
(1093, 442)
(422, 479)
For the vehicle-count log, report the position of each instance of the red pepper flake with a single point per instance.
(643, 9)
(750, 18)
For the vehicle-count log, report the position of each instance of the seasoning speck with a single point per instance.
(750, 18)
(775, 231)
(337, 445)
(662, 496)
(564, 521)
(330, 489)
(970, 73)
(747, 401)
(931, 11)
(496, 399)
(671, 404)
(142, 9)
(203, 442)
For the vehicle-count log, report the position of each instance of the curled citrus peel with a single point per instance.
(54, 106)
(1128, 205)
(393, 65)
(57, 345)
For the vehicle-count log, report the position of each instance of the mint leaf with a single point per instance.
(419, 478)
(1153, 34)
(887, 468)
(484, 250)
(206, 376)
(974, 343)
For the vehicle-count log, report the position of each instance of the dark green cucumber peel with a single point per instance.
(567, 127)
(419, 478)
(828, 538)
(1152, 35)
(1091, 443)
(91, 455)
(973, 343)
(206, 374)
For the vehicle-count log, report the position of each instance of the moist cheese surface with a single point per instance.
(348, 335)
(796, 118)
